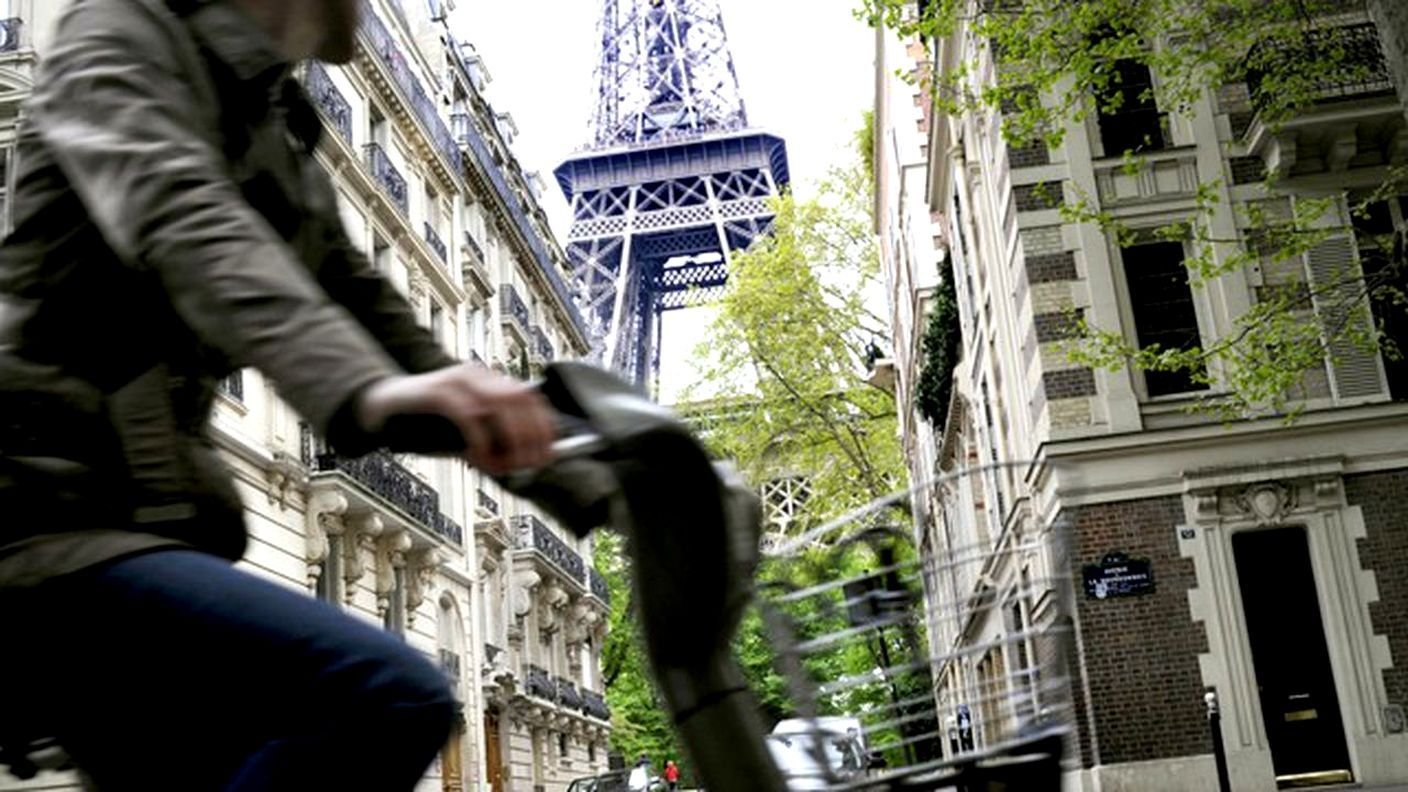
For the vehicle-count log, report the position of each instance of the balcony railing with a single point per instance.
(449, 529)
(388, 177)
(327, 98)
(481, 153)
(539, 684)
(531, 534)
(594, 705)
(567, 694)
(513, 306)
(542, 347)
(600, 589)
(432, 238)
(10, 32)
(233, 385)
(474, 249)
(1360, 66)
(487, 502)
(388, 479)
(422, 106)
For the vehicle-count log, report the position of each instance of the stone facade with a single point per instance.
(498, 595)
(1123, 467)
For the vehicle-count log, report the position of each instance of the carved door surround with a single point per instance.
(1220, 502)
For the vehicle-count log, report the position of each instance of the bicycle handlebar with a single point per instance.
(693, 530)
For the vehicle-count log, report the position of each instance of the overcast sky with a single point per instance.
(805, 68)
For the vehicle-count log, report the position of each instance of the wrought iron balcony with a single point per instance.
(599, 588)
(233, 385)
(388, 177)
(449, 529)
(539, 684)
(404, 78)
(386, 478)
(327, 98)
(486, 502)
(432, 237)
(1362, 69)
(530, 533)
(11, 30)
(482, 153)
(542, 347)
(474, 249)
(594, 706)
(567, 694)
(513, 312)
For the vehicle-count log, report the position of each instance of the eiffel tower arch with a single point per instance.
(672, 180)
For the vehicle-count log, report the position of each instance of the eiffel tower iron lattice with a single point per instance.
(672, 181)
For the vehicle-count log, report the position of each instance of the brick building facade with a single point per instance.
(1278, 552)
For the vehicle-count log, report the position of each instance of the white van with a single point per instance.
(794, 748)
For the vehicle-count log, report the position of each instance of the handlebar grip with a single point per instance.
(422, 433)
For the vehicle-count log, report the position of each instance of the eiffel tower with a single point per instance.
(671, 182)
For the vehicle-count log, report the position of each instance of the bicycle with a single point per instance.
(693, 531)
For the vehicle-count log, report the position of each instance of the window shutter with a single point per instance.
(1355, 373)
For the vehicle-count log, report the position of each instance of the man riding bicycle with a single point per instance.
(170, 226)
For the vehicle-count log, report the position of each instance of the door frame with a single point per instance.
(1309, 495)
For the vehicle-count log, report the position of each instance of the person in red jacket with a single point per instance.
(672, 774)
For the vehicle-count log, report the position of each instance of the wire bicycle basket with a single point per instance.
(931, 664)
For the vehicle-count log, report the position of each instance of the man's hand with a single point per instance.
(506, 425)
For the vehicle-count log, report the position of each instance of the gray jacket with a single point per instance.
(170, 225)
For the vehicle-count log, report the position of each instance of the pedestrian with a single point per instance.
(639, 780)
(672, 775)
(171, 226)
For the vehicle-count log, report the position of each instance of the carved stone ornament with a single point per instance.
(283, 472)
(551, 602)
(390, 555)
(420, 578)
(524, 583)
(324, 518)
(359, 541)
(1267, 503)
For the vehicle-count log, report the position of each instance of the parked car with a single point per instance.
(614, 781)
(812, 753)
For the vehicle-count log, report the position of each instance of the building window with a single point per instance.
(437, 322)
(1162, 304)
(395, 619)
(1134, 122)
(379, 131)
(329, 588)
(381, 256)
(591, 752)
(562, 745)
(1375, 235)
(539, 771)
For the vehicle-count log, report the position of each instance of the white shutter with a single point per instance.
(1356, 374)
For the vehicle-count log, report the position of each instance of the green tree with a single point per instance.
(1059, 61)
(639, 722)
(782, 386)
(784, 392)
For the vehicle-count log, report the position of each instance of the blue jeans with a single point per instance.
(173, 670)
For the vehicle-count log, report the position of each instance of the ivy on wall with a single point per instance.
(941, 348)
